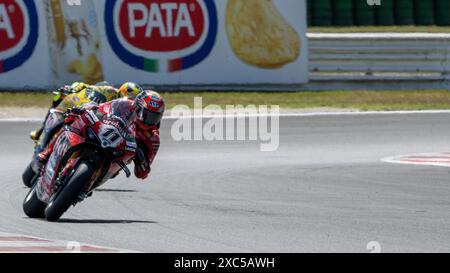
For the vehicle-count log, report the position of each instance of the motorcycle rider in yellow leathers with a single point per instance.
(67, 97)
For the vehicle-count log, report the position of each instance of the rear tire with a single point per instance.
(32, 206)
(29, 176)
(69, 194)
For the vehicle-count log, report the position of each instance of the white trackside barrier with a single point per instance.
(379, 56)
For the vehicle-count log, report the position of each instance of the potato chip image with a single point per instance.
(75, 66)
(91, 71)
(259, 35)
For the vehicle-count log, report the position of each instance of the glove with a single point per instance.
(65, 90)
(141, 170)
(141, 166)
(76, 110)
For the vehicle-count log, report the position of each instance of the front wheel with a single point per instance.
(32, 206)
(69, 194)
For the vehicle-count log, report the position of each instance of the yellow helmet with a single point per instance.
(130, 90)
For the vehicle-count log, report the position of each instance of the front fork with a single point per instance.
(97, 160)
(71, 166)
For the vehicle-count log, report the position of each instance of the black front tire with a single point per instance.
(32, 206)
(29, 176)
(69, 194)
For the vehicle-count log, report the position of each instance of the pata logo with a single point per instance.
(18, 32)
(161, 35)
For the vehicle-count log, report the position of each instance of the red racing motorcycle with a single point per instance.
(89, 151)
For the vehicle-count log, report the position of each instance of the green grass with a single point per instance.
(362, 100)
(428, 29)
(25, 99)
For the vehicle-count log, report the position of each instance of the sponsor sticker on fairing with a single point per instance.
(18, 33)
(109, 136)
(131, 146)
(92, 117)
(161, 35)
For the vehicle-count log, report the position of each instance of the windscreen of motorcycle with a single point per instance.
(122, 114)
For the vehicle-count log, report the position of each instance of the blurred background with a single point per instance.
(388, 13)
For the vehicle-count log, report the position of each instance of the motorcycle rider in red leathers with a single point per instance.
(148, 108)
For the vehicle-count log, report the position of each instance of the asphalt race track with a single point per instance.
(324, 190)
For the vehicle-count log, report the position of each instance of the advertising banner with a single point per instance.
(204, 41)
(24, 55)
(74, 41)
(152, 42)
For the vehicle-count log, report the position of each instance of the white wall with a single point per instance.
(35, 71)
(48, 66)
(222, 66)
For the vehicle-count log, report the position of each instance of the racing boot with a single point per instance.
(34, 135)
